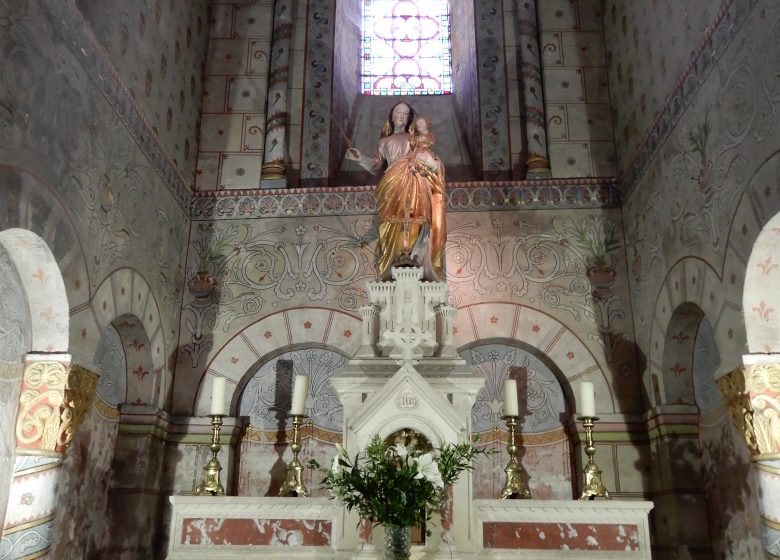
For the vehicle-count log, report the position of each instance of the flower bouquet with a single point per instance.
(396, 486)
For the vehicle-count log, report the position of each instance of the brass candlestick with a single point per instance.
(594, 487)
(211, 484)
(294, 485)
(514, 487)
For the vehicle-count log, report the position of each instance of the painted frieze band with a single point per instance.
(461, 197)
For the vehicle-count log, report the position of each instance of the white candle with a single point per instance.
(218, 395)
(510, 398)
(587, 400)
(300, 388)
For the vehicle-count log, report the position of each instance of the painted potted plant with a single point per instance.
(203, 284)
(596, 237)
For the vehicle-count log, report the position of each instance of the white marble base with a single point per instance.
(309, 528)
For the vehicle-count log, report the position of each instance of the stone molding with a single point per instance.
(240, 506)
(562, 510)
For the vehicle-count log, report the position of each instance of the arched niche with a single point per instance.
(553, 341)
(678, 386)
(124, 361)
(131, 463)
(125, 311)
(691, 289)
(546, 450)
(278, 332)
(265, 395)
(455, 118)
(706, 490)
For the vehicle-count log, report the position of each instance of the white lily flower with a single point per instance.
(428, 468)
(342, 451)
(401, 451)
(335, 466)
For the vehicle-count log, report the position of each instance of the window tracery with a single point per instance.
(406, 47)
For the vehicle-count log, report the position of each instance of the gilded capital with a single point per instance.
(79, 394)
(753, 397)
(762, 382)
(732, 388)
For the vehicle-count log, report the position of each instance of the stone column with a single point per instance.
(537, 161)
(446, 315)
(753, 398)
(369, 336)
(276, 116)
(43, 430)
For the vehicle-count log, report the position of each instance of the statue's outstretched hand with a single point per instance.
(353, 154)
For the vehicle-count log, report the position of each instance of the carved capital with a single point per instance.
(762, 382)
(39, 423)
(753, 397)
(79, 395)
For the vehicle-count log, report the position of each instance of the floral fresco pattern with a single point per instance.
(267, 397)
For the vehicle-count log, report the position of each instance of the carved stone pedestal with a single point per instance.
(408, 376)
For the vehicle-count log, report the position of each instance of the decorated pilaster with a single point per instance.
(276, 136)
(753, 397)
(537, 161)
(52, 404)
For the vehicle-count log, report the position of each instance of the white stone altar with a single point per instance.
(234, 527)
(408, 375)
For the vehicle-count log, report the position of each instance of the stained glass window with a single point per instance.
(406, 48)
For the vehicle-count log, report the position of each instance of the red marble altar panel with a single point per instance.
(560, 536)
(258, 532)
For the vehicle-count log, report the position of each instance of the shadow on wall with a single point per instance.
(282, 405)
(679, 522)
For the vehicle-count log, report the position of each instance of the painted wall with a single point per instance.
(576, 89)
(98, 202)
(649, 49)
(555, 268)
(83, 499)
(159, 50)
(700, 164)
(289, 289)
(693, 217)
(230, 147)
(73, 170)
